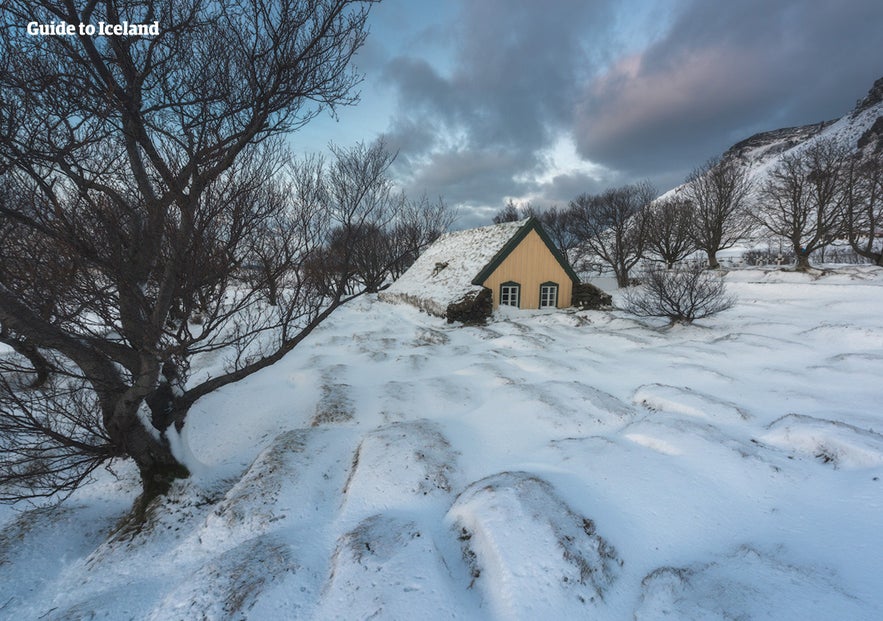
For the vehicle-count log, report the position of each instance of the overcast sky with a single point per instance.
(488, 100)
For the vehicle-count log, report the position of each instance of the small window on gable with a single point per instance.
(510, 294)
(549, 295)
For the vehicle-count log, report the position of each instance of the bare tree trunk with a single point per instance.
(158, 466)
(712, 260)
(802, 260)
(148, 445)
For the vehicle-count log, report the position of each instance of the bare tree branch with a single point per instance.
(139, 166)
(669, 230)
(612, 226)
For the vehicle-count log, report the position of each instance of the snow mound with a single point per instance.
(403, 465)
(852, 336)
(531, 555)
(832, 442)
(577, 405)
(688, 402)
(335, 405)
(748, 584)
(229, 585)
(40, 544)
(695, 439)
(387, 567)
(297, 478)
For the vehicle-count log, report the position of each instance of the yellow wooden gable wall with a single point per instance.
(531, 264)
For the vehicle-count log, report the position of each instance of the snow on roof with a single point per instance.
(443, 273)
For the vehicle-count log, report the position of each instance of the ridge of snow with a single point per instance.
(730, 469)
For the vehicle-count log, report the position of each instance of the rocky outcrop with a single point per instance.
(872, 140)
(473, 308)
(874, 96)
(765, 144)
(587, 296)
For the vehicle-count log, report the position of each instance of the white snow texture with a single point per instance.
(549, 465)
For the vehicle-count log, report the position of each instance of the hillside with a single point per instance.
(550, 465)
(859, 130)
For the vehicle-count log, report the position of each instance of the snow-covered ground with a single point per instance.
(551, 465)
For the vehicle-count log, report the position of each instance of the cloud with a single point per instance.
(469, 173)
(510, 86)
(480, 99)
(724, 71)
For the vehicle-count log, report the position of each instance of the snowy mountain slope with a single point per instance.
(861, 129)
(548, 465)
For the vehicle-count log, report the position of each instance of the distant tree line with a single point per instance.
(812, 198)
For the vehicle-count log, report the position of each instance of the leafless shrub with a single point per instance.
(681, 295)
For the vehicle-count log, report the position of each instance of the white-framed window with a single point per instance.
(549, 295)
(510, 294)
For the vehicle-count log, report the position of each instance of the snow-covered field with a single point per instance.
(551, 465)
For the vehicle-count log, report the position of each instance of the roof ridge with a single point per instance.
(529, 224)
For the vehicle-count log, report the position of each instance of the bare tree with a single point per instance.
(364, 204)
(803, 199)
(509, 213)
(669, 228)
(138, 160)
(377, 231)
(513, 212)
(612, 226)
(559, 223)
(718, 191)
(681, 295)
(421, 223)
(863, 203)
(19, 247)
